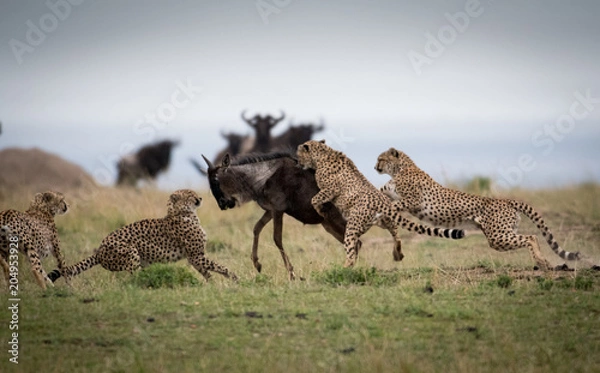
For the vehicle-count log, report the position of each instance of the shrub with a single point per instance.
(504, 281)
(160, 275)
(355, 276)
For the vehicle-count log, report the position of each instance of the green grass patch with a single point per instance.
(448, 306)
(338, 276)
(214, 246)
(161, 275)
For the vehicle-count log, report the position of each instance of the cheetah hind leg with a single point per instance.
(351, 241)
(203, 265)
(393, 229)
(115, 259)
(536, 254)
(515, 241)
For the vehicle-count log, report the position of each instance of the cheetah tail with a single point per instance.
(539, 222)
(75, 269)
(454, 234)
(395, 215)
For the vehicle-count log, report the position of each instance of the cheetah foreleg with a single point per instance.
(36, 267)
(203, 265)
(319, 199)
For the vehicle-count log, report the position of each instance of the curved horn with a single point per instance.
(277, 120)
(281, 117)
(246, 119)
(208, 163)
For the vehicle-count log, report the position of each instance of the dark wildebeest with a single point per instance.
(279, 187)
(295, 135)
(262, 127)
(147, 162)
(236, 144)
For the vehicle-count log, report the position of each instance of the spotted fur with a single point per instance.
(418, 194)
(176, 236)
(35, 233)
(361, 204)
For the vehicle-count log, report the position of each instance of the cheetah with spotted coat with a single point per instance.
(34, 233)
(176, 236)
(417, 193)
(360, 203)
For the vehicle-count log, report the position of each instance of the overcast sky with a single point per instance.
(465, 87)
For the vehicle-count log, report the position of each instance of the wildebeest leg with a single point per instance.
(260, 224)
(277, 237)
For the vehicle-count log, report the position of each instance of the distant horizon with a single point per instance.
(465, 87)
(451, 162)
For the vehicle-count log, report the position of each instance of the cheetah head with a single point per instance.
(392, 161)
(49, 202)
(184, 200)
(309, 152)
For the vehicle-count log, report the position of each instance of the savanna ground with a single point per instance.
(454, 306)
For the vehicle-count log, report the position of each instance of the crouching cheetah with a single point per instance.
(418, 194)
(178, 235)
(34, 233)
(360, 203)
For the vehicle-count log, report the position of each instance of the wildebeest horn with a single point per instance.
(245, 119)
(208, 163)
(281, 117)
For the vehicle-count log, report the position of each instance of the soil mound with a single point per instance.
(36, 170)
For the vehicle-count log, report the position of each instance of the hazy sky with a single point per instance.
(465, 87)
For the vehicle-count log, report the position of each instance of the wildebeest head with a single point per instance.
(262, 126)
(234, 142)
(213, 172)
(234, 183)
(301, 133)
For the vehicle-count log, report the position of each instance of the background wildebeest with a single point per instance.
(262, 127)
(236, 144)
(295, 135)
(289, 140)
(279, 187)
(147, 162)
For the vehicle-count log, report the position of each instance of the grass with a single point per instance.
(453, 306)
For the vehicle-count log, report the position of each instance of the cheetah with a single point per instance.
(175, 236)
(417, 193)
(34, 233)
(360, 203)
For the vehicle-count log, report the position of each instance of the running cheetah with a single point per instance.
(361, 204)
(417, 193)
(34, 233)
(178, 235)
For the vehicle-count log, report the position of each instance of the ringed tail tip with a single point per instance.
(54, 275)
(458, 234)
